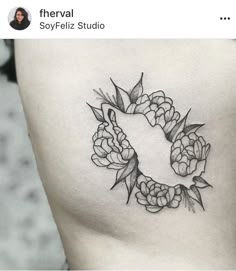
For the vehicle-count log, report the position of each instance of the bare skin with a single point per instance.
(97, 228)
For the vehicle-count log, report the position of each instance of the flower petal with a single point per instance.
(158, 93)
(178, 158)
(98, 142)
(151, 117)
(105, 134)
(161, 201)
(100, 151)
(176, 116)
(197, 149)
(170, 194)
(193, 165)
(153, 209)
(175, 166)
(141, 107)
(183, 169)
(127, 154)
(169, 100)
(185, 141)
(141, 199)
(146, 110)
(169, 114)
(193, 136)
(165, 106)
(101, 162)
(190, 150)
(200, 167)
(162, 193)
(169, 126)
(176, 144)
(154, 107)
(152, 200)
(161, 121)
(160, 112)
(174, 204)
(120, 137)
(152, 192)
(184, 159)
(141, 179)
(178, 190)
(131, 109)
(142, 99)
(125, 143)
(144, 189)
(105, 146)
(158, 100)
(117, 129)
(150, 184)
(201, 139)
(180, 135)
(115, 166)
(207, 150)
(115, 157)
(177, 197)
(95, 136)
(156, 190)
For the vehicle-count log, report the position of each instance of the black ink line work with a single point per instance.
(188, 152)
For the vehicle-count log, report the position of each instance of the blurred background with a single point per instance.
(28, 235)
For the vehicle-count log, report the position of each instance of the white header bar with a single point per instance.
(122, 19)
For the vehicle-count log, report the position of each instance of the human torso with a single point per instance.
(98, 229)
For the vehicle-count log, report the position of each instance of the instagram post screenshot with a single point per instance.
(118, 135)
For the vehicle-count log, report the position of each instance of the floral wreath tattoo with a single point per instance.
(188, 150)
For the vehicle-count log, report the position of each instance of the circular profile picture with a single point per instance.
(19, 18)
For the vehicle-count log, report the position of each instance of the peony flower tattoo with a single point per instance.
(188, 150)
(156, 196)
